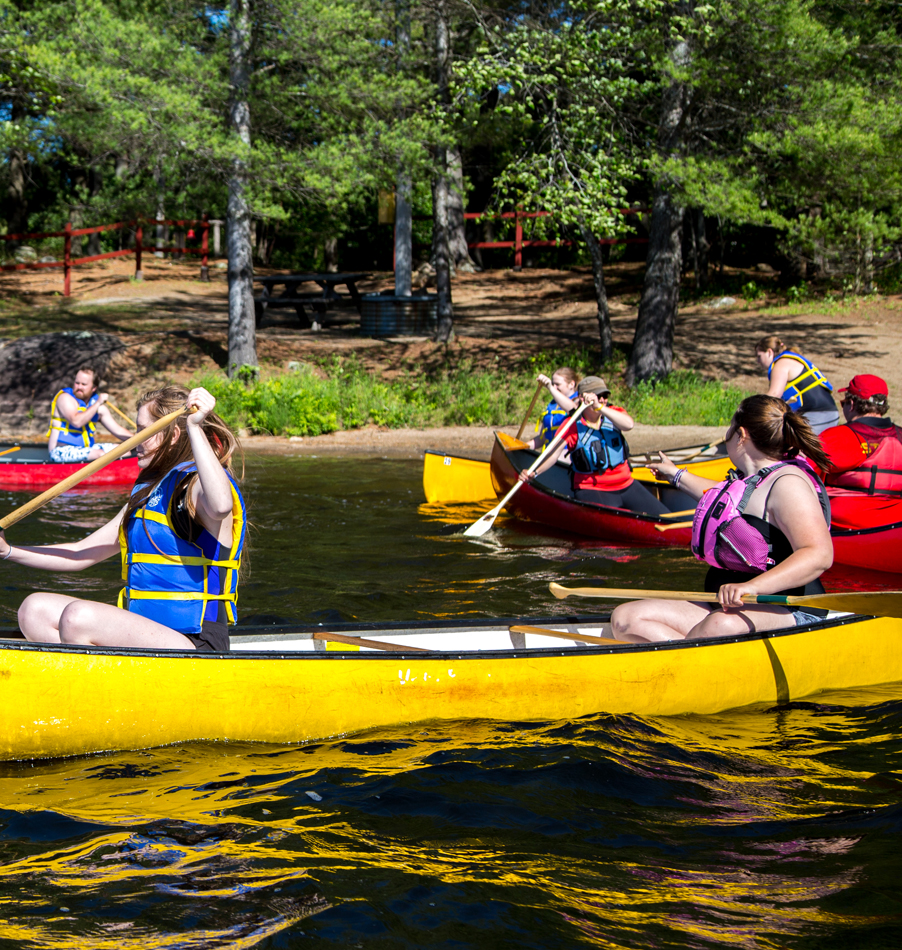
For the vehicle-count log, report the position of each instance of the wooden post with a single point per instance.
(518, 241)
(139, 235)
(67, 259)
(205, 248)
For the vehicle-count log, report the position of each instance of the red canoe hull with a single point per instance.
(542, 503)
(39, 472)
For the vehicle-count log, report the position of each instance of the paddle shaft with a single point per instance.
(481, 525)
(86, 471)
(116, 409)
(539, 389)
(15, 448)
(879, 603)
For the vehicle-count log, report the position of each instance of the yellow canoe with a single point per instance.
(457, 480)
(292, 688)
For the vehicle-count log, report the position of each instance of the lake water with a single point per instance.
(764, 828)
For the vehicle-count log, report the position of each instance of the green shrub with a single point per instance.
(342, 395)
(797, 293)
(889, 280)
(751, 291)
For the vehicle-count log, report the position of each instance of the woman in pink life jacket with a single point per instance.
(765, 530)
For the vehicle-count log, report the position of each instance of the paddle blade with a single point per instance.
(877, 603)
(483, 525)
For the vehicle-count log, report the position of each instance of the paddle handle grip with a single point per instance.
(539, 388)
(86, 471)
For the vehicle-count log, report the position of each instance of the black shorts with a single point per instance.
(635, 497)
(213, 637)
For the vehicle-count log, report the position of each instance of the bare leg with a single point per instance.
(730, 624)
(656, 621)
(55, 618)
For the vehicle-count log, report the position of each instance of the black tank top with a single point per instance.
(779, 548)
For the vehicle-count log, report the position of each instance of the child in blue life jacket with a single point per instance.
(180, 537)
(798, 382)
(564, 399)
(600, 473)
(764, 530)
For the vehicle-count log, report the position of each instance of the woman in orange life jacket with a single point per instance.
(866, 453)
(780, 534)
(798, 382)
(562, 382)
(599, 467)
(185, 518)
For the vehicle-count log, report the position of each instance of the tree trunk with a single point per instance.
(330, 255)
(702, 249)
(601, 295)
(161, 229)
(242, 327)
(95, 179)
(652, 355)
(441, 186)
(403, 187)
(457, 223)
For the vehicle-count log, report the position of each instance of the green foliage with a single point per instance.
(751, 291)
(797, 293)
(890, 279)
(342, 395)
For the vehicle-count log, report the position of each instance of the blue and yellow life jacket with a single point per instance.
(68, 433)
(597, 450)
(810, 379)
(179, 583)
(548, 424)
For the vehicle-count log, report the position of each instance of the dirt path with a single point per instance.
(175, 327)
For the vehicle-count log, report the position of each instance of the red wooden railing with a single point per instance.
(518, 243)
(68, 262)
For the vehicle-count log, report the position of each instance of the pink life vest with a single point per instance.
(723, 538)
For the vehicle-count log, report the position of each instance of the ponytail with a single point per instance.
(777, 431)
(771, 342)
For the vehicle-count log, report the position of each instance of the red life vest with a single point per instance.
(881, 471)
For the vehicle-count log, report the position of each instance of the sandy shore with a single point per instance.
(473, 441)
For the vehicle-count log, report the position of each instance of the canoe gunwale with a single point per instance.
(458, 655)
(856, 532)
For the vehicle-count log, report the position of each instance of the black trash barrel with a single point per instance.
(388, 315)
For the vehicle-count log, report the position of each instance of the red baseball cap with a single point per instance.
(865, 386)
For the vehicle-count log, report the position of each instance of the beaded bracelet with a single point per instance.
(677, 477)
(5, 556)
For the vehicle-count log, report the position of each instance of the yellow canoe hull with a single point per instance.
(454, 479)
(60, 701)
(457, 480)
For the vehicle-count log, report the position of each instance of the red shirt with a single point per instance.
(844, 449)
(611, 479)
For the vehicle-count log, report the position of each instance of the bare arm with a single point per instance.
(77, 556)
(694, 485)
(623, 420)
(67, 407)
(561, 398)
(779, 376)
(794, 509)
(547, 462)
(105, 418)
(212, 490)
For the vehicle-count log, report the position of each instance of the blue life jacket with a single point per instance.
(548, 424)
(178, 583)
(810, 379)
(597, 450)
(68, 433)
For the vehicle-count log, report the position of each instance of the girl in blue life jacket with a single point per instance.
(564, 399)
(180, 537)
(798, 382)
(771, 519)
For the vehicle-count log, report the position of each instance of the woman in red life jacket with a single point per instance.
(866, 453)
(764, 531)
(180, 538)
(798, 382)
(599, 467)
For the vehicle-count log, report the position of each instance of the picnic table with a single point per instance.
(318, 302)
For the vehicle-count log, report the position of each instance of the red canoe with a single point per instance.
(867, 531)
(549, 500)
(30, 467)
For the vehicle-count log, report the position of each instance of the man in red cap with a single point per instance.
(866, 453)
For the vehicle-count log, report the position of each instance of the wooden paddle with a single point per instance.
(670, 527)
(562, 635)
(24, 510)
(879, 603)
(15, 448)
(118, 411)
(539, 389)
(483, 524)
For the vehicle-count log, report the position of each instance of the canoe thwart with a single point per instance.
(563, 635)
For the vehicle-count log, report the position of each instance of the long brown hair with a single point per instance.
(174, 451)
(771, 342)
(777, 431)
